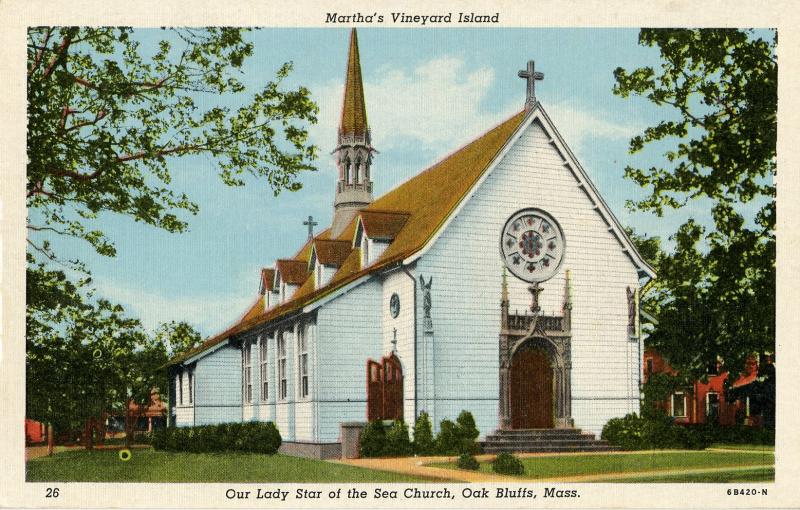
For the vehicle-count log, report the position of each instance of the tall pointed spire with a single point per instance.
(354, 110)
(353, 153)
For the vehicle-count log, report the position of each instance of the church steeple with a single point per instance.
(353, 153)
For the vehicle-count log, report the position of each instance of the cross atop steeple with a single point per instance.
(531, 76)
(311, 224)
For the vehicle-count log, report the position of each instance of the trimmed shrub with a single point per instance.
(467, 433)
(466, 426)
(423, 435)
(448, 441)
(373, 440)
(507, 464)
(397, 442)
(254, 437)
(467, 461)
(457, 438)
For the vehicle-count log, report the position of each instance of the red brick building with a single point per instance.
(35, 432)
(707, 401)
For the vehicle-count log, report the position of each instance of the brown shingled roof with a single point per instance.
(294, 272)
(255, 309)
(267, 279)
(427, 200)
(332, 253)
(383, 225)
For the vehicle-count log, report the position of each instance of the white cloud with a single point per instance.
(436, 105)
(442, 104)
(210, 313)
(579, 126)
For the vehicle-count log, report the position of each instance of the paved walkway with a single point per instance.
(419, 466)
(416, 466)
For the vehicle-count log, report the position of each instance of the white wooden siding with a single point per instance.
(348, 332)
(376, 249)
(467, 272)
(218, 387)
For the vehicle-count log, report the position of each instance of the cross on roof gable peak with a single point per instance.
(531, 75)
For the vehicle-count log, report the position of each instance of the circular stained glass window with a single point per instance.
(394, 305)
(532, 245)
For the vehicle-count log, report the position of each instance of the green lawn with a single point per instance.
(577, 465)
(751, 447)
(748, 475)
(153, 466)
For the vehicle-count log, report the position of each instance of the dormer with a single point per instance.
(326, 257)
(289, 276)
(267, 286)
(375, 231)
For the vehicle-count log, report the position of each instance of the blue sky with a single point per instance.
(428, 91)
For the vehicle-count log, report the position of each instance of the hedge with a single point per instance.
(658, 431)
(253, 437)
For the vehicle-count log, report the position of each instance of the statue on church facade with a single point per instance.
(426, 302)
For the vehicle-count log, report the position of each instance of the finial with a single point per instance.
(504, 294)
(567, 289)
(530, 76)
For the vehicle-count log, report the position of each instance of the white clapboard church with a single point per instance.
(496, 281)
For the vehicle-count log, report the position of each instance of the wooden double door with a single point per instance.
(385, 389)
(531, 388)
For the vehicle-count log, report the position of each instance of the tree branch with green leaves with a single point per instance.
(107, 115)
(715, 294)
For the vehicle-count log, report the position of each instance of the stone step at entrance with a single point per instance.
(544, 441)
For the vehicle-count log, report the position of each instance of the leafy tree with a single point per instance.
(85, 358)
(108, 110)
(716, 291)
(177, 337)
(106, 114)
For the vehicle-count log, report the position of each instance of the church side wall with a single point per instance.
(218, 383)
(349, 332)
(467, 273)
(400, 283)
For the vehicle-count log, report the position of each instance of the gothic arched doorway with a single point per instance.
(531, 388)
